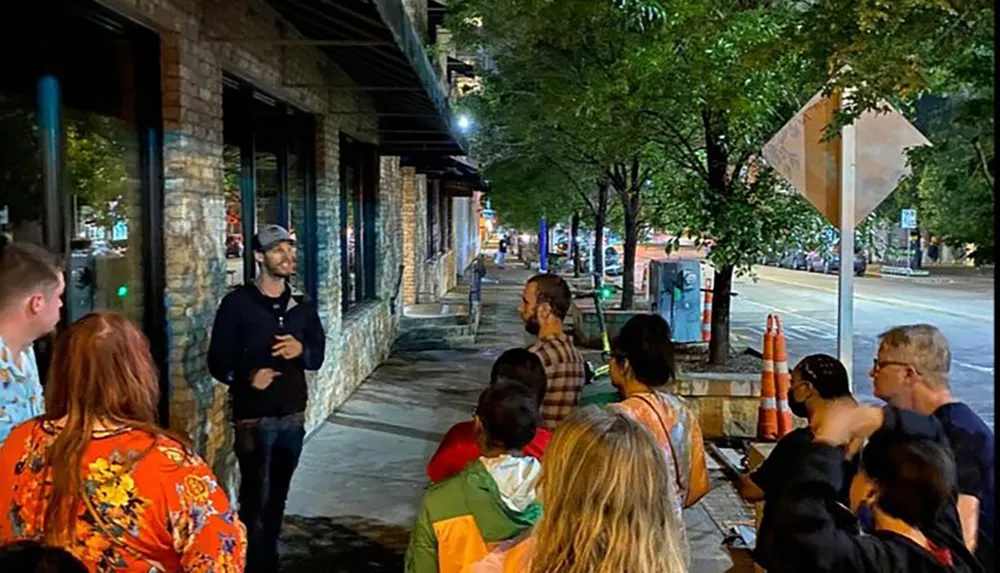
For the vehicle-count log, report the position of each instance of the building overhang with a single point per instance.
(460, 176)
(375, 44)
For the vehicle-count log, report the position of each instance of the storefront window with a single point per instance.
(268, 174)
(79, 142)
(359, 184)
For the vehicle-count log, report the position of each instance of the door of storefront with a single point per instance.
(80, 145)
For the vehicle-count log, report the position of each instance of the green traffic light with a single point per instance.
(605, 293)
(122, 291)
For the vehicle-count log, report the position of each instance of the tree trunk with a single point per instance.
(628, 265)
(718, 348)
(717, 162)
(600, 220)
(574, 243)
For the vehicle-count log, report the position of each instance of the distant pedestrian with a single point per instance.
(545, 302)
(31, 288)
(501, 257)
(264, 339)
(911, 372)
(98, 477)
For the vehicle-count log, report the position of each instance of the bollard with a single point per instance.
(706, 313)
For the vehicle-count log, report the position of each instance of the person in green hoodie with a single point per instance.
(492, 499)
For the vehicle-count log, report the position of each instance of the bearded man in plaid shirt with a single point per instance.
(545, 303)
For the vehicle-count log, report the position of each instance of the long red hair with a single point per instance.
(101, 371)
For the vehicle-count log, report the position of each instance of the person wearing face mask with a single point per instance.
(545, 302)
(817, 381)
(906, 476)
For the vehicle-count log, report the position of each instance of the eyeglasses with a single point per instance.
(878, 365)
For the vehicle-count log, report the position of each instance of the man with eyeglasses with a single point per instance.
(911, 372)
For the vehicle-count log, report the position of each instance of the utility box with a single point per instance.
(675, 294)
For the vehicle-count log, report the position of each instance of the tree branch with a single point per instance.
(984, 163)
(693, 159)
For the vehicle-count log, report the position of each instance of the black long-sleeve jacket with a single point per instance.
(810, 535)
(244, 332)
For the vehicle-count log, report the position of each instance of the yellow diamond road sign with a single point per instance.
(813, 166)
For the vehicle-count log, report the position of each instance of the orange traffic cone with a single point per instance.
(767, 415)
(782, 379)
(706, 313)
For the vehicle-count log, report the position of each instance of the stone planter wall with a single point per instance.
(726, 403)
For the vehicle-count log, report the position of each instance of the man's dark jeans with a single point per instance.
(268, 451)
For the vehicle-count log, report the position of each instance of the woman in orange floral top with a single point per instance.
(96, 476)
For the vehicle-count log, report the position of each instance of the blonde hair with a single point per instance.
(925, 347)
(604, 487)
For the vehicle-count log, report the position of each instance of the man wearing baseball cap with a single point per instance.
(264, 339)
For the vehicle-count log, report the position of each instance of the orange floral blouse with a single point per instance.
(166, 513)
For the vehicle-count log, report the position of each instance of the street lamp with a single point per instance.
(464, 123)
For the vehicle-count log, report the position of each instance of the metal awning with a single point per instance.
(375, 43)
(461, 173)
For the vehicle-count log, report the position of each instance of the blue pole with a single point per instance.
(543, 246)
(48, 133)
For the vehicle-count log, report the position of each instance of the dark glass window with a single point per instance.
(79, 156)
(268, 166)
(359, 180)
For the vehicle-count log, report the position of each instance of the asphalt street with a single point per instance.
(807, 305)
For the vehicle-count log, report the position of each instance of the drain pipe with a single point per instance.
(395, 294)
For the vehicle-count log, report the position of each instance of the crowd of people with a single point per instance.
(532, 482)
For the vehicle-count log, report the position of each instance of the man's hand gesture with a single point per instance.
(261, 379)
(286, 347)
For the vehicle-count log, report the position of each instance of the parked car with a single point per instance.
(795, 260)
(860, 264)
(815, 262)
(613, 260)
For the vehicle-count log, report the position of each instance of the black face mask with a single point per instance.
(797, 407)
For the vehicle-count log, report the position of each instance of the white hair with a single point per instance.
(925, 346)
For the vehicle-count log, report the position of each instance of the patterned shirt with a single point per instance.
(565, 376)
(158, 507)
(20, 389)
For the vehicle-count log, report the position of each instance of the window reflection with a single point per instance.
(351, 268)
(102, 174)
(234, 214)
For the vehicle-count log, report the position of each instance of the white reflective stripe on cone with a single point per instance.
(767, 403)
(782, 405)
(768, 366)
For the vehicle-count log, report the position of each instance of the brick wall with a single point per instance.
(192, 64)
(424, 280)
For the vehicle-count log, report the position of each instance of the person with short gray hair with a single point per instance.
(912, 372)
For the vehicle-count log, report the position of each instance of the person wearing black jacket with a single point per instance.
(264, 339)
(906, 476)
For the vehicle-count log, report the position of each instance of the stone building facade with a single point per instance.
(201, 41)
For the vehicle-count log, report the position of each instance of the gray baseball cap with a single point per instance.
(270, 236)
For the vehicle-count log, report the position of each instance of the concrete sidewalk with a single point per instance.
(362, 473)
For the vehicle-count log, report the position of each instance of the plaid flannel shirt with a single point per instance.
(564, 372)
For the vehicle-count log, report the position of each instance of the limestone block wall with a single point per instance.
(193, 61)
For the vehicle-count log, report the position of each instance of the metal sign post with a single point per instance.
(844, 180)
(845, 286)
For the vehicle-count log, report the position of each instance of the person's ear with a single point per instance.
(544, 310)
(35, 303)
